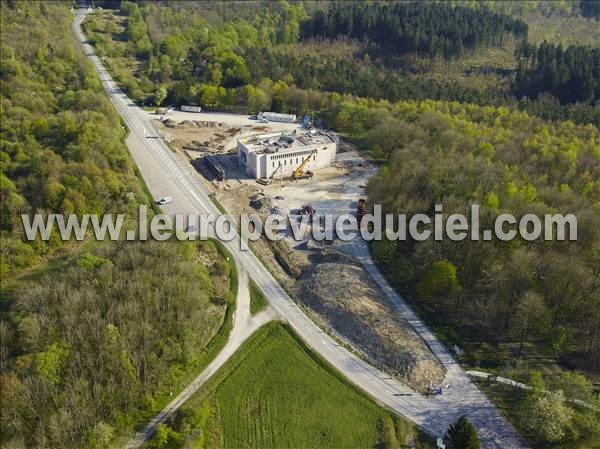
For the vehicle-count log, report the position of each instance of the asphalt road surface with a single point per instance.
(168, 174)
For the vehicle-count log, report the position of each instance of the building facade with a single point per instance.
(277, 155)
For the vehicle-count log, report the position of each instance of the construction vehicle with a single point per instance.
(186, 108)
(299, 172)
(269, 181)
(360, 209)
(307, 209)
(212, 163)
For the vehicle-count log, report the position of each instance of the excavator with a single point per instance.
(299, 172)
(269, 181)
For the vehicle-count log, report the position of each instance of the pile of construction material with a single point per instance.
(347, 301)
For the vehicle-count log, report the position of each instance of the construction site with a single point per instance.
(319, 174)
(278, 155)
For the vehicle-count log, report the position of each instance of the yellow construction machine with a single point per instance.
(299, 172)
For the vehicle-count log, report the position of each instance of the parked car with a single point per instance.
(164, 200)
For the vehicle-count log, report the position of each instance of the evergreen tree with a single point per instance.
(429, 29)
(461, 435)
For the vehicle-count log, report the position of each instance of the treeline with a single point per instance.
(356, 77)
(430, 29)
(241, 66)
(529, 293)
(61, 147)
(590, 8)
(137, 31)
(502, 302)
(96, 343)
(572, 75)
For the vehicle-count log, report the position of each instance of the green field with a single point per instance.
(258, 301)
(276, 394)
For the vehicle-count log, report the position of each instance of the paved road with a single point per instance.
(168, 174)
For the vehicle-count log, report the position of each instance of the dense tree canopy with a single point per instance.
(590, 8)
(507, 162)
(96, 342)
(61, 147)
(101, 336)
(431, 29)
(256, 61)
(571, 75)
(461, 435)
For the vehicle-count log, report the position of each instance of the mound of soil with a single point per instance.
(351, 304)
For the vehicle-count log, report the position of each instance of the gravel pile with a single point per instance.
(349, 302)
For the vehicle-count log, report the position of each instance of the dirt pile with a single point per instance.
(349, 302)
(197, 135)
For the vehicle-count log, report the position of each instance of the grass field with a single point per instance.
(276, 394)
(258, 301)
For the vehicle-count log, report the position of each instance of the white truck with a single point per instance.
(276, 117)
(186, 108)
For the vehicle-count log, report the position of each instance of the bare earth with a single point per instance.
(350, 304)
(336, 288)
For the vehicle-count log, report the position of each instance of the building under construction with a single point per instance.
(279, 155)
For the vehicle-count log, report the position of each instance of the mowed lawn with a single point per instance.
(276, 394)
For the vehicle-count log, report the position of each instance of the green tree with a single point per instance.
(160, 95)
(557, 339)
(209, 95)
(531, 316)
(548, 417)
(384, 250)
(441, 279)
(50, 362)
(462, 435)
(235, 71)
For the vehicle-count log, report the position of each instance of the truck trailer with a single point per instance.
(186, 108)
(277, 117)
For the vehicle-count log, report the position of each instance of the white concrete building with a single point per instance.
(277, 155)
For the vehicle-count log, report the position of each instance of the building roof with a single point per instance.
(284, 142)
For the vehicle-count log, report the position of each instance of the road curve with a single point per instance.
(166, 173)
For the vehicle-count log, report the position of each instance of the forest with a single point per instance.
(430, 29)
(261, 61)
(590, 8)
(93, 335)
(95, 343)
(531, 145)
(506, 161)
(506, 304)
(61, 144)
(571, 74)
